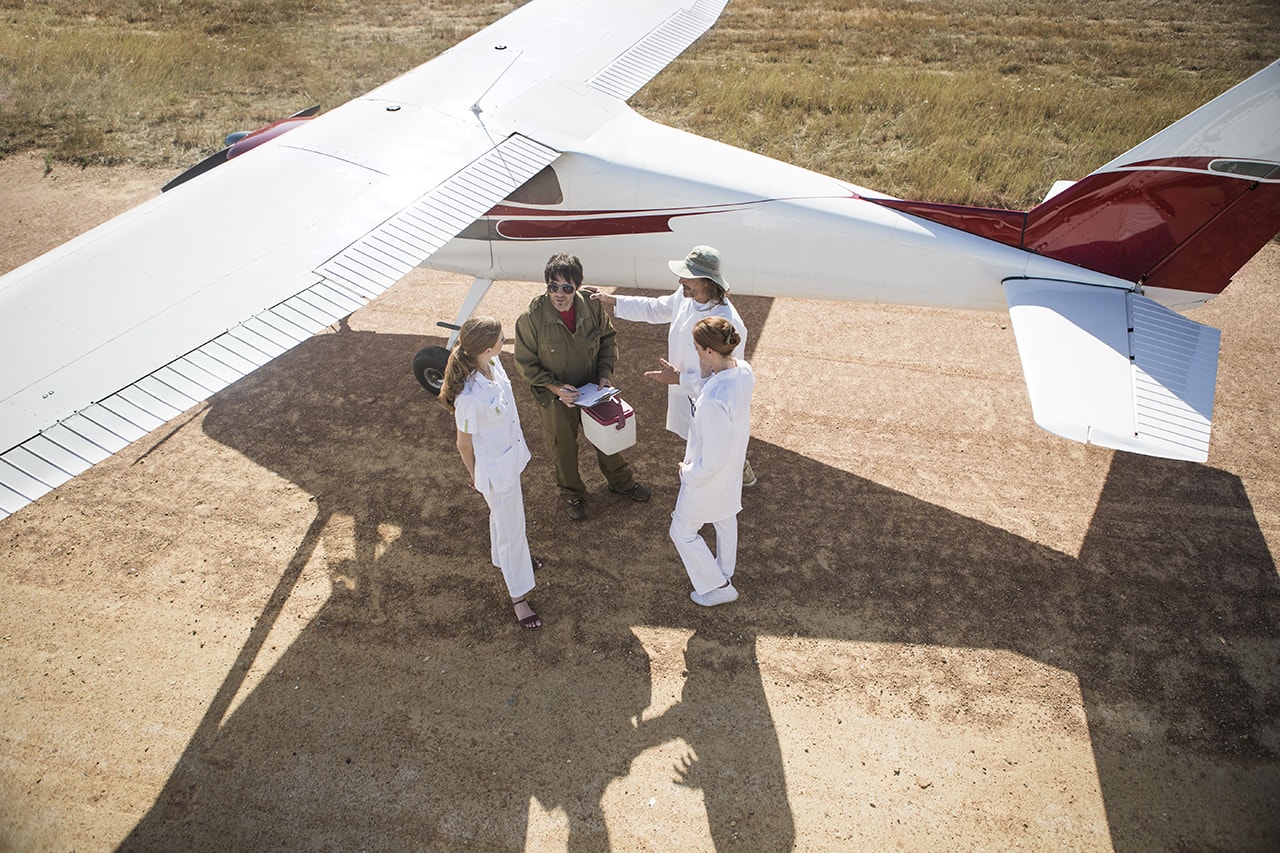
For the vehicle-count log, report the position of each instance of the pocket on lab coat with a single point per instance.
(504, 471)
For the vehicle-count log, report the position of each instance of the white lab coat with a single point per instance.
(711, 473)
(681, 313)
(486, 410)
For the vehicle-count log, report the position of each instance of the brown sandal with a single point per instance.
(532, 622)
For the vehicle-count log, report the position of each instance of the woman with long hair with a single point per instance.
(478, 393)
(711, 473)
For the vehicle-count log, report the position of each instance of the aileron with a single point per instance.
(641, 62)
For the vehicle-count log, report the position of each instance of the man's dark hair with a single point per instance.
(566, 266)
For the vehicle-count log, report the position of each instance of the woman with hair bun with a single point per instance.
(711, 473)
(478, 393)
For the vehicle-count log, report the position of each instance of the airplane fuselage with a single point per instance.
(640, 194)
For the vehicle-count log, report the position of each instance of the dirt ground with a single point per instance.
(271, 623)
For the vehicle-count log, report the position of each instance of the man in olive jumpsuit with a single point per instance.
(564, 340)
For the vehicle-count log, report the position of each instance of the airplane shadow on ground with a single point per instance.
(413, 711)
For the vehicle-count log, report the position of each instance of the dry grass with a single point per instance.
(977, 101)
(161, 83)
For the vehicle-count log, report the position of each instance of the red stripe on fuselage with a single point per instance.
(1003, 226)
(567, 229)
(515, 222)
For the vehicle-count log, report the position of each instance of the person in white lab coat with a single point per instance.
(710, 475)
(476, 389)
(703, 292)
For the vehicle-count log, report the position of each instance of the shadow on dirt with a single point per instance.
(413, 712)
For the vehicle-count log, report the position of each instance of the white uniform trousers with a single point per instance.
(706, 571)
(508, 544)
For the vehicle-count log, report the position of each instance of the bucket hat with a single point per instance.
(701, 262)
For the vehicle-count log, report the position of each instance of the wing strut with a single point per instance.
(479, 288)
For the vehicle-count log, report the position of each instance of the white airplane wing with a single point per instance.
(115, 332)
(1109, 367)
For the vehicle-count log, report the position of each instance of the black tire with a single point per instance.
(428, 367)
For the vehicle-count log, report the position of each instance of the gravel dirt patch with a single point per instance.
(271, 623)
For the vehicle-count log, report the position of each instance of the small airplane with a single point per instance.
(507, 148)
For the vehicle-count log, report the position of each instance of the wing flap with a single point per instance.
(385, 255)
(180, 384)
(83, 425)
(35, 467)
(17, 488)
(90, 435)
(67, 451)
(1109, 367)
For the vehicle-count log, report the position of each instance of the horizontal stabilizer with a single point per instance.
(1106, 366)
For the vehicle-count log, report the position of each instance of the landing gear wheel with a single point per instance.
(428, 366)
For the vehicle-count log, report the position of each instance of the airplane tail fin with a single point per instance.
(1182, 211)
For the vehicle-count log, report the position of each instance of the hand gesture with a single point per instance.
(687, 771)
(668, 375)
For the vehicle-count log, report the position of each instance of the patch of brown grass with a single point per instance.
(979, 101)
(162, 83)
(976, 101)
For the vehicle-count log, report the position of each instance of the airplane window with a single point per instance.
(1248, 168)
(542, 188)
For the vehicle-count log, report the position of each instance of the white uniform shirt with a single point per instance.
(711, 473)
(486, 410)
(682, 313)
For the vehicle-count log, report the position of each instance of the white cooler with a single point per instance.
(610, 426)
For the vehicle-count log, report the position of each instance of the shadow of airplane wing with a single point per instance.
(411, 707)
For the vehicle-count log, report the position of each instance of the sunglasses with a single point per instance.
(566, 288)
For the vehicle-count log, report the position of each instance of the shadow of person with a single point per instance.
(735, 760)
(412, 712)
(361, 735)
